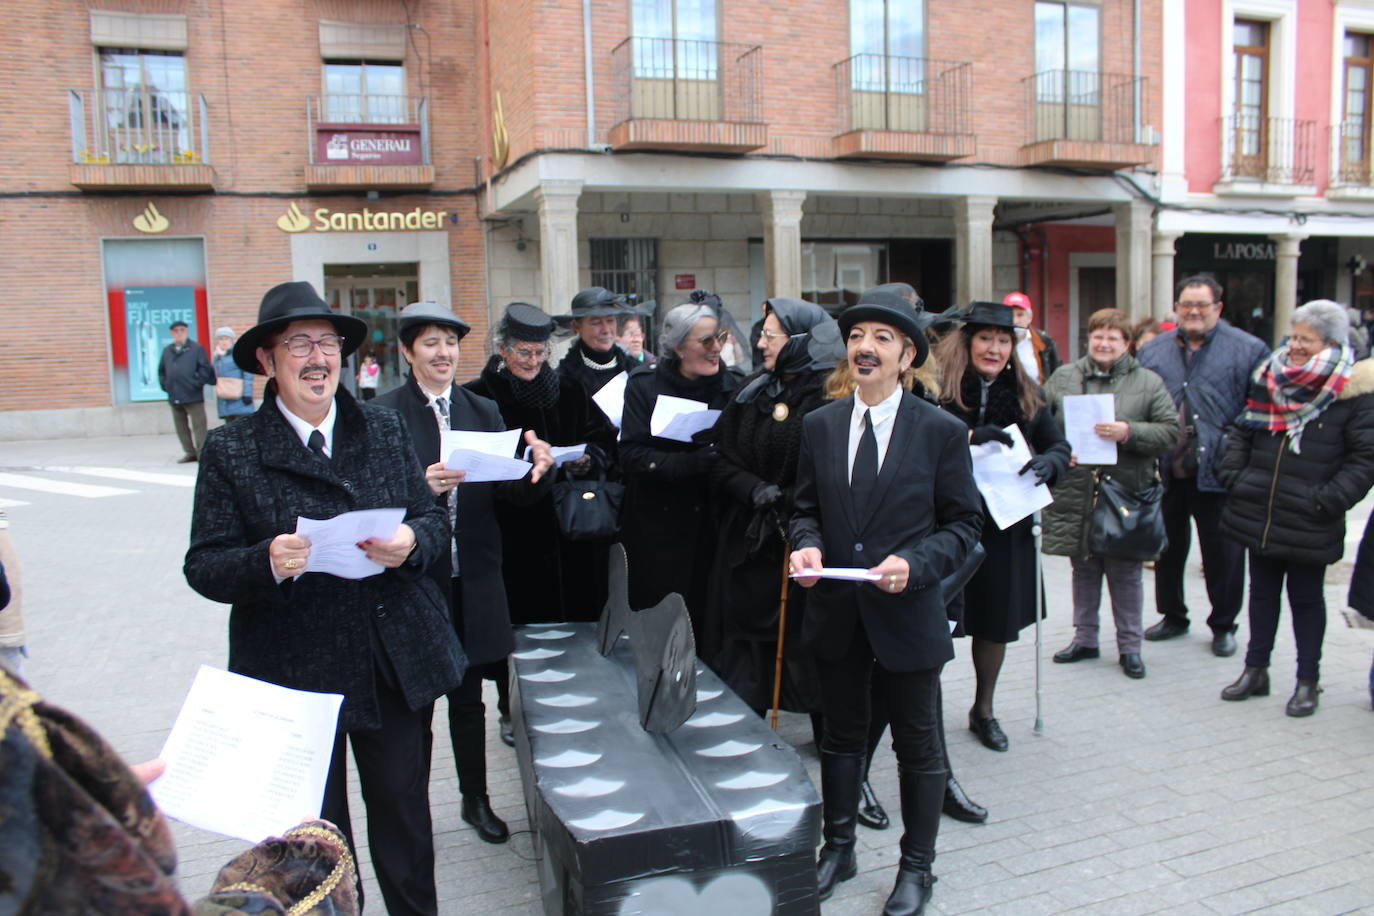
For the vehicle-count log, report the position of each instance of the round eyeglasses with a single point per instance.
(300, 345)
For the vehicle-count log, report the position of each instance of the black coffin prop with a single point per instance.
(714, 817)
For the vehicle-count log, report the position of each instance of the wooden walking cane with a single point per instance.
(782, 630)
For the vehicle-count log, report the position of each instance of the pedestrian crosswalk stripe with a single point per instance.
(11, 503)
(89, 491)
(171, 480)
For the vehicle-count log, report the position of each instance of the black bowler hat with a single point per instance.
(987, 314)
(423, 314)
(288, 302)
(523, 321)
(594, 302)
(890, 309)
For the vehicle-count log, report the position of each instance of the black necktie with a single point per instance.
(865, 466)
(316, 443)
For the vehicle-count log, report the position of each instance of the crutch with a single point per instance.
(1039, 604)
(782, 631)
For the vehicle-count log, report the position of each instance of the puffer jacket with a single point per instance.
(1291, 505)
(1142, 401)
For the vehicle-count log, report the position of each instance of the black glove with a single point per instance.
(990, 433)
(765, 494)
(1043, 468)
(700, 461)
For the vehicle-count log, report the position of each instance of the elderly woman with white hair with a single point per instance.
(665, 516)
(1299, 457)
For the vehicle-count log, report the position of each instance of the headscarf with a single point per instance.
(797, 317)
(1286, 398)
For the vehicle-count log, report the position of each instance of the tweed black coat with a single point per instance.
(1292, 506)
(319, 632)
(486, 621)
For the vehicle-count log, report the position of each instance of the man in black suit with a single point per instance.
(470, 571)
(884, 483)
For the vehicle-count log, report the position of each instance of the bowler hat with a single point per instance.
(288, 302)
(423, 314)
(523, 321)
(987, 314)
(596, 301)
(890, 309)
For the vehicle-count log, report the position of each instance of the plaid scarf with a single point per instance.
(1286, 398)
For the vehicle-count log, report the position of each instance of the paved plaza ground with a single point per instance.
(1138, 797)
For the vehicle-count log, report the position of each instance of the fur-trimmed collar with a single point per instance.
(1361, 379)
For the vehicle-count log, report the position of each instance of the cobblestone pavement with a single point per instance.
(1138, 797)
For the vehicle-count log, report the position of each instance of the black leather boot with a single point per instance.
(1304, 699)
(921, 797)
(871, 813)
(840, 776)
(1253, 682)
(959, 806)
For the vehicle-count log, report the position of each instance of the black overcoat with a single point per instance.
(925, 509)
(319, 632)
(548, 577)
(486, 615)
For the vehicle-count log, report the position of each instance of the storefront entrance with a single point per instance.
(375, 293)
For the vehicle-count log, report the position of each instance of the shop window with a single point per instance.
(145, 110)
(676, 60)
(364, 92)
(887, 75)
(628, 266)
(1250, 114)
(1068, 79)
(1355, 123)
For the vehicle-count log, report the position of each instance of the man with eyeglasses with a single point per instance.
(1206, 364)
(385, 642)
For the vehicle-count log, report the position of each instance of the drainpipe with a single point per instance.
(1135, 66)
(587, 67)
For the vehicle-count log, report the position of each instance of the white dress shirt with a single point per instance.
(1025, 352)
(304, 429)
(884, 412)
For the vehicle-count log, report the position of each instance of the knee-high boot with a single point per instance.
(922, 794)
(840, 775)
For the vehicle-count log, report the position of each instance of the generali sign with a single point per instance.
(350, 144)
(326, 220)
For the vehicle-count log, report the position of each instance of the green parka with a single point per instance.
(1143, 402)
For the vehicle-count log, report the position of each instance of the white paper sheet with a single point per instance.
(1009, 494)
(610, 397)
(246, 758)
(485, 456)
(680, 418)
(1081, 413)
(334, 541)
(562, 454)
(847, 573)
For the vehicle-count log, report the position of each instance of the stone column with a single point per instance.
(557, 201)
(1133, 224)
(1285, 281)
(782, 214)
(973, 248)
(1162, 270)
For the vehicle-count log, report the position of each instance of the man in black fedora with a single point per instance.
(885, 484)
(384, 642)
(595, 358)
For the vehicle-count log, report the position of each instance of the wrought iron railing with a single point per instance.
(1275, 150)
(882, 92)
(382, 117)
(688, 80)
(1351, 141)
(1085, 105)
(138, 125)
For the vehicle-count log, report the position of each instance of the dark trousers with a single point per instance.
(912, 699)
(1305, 600)
(467, 719)
(1223, 560)
(189, 422)
(393, 768)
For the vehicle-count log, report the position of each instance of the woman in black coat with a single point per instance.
(548, 577)
(983, 385)
(1300, 456)
(759, 437)
(666, 517)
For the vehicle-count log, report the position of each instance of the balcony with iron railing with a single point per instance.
(1267, 156)
(672, 93)
(367, 141)
(139, 138)
(1353, 167)
(1086, 119)
(903, 108)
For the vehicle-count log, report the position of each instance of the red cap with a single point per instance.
(1018, 301)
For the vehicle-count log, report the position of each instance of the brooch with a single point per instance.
(780, 411)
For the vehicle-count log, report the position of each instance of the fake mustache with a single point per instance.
(316, 368)
(867, 359)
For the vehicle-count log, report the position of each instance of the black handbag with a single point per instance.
(588, 509)
(1127, 524)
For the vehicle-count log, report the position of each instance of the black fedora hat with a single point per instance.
(288, 302)
(987, 314)
(890, 309)
(422, 314)
(596, 301)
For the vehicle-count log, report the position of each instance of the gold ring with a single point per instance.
(292, 563)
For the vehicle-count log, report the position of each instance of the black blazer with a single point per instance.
(925, 510)
(320, 632)
(486, 615)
